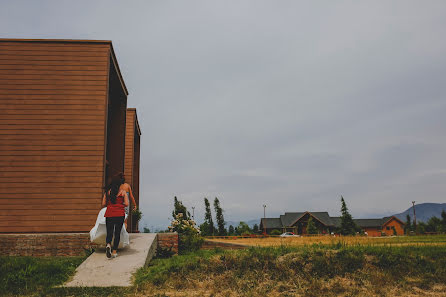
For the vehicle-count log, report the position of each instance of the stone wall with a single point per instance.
(168, 241)
(45, 244)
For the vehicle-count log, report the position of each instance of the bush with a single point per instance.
(189, 234)
(137, 215)
(276, 232)
(189, 243)
(163, 253)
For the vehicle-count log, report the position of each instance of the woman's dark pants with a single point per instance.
(114, 223)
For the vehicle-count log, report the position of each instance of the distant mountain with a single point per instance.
(423, 211)
(235, 223)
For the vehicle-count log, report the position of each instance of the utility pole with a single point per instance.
(193, 213)
(264, 219)
(414, 216)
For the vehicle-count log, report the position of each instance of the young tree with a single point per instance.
(311, 227)
(348, 226)
(207, 228)
(243, 228)
(255, 229)
(443, 221)
(433, 225)
(407, 225)
(231, 230)
(219, 217)
(189, 234)
(178, 208)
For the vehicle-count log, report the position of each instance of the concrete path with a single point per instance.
(98, 271)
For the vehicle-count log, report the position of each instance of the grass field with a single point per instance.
(424, 240)
(309, 266)
(299, 271)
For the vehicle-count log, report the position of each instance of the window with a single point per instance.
(387, 228)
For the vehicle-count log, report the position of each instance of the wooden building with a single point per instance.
(297, 222)
(377, 227)
(132, 158)
(61, 132)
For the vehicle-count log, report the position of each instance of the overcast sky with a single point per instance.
(285, 103)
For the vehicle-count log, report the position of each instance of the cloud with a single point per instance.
(286, 103)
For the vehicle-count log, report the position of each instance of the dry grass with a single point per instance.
(341, 287)
(303, 271)
(430, 240)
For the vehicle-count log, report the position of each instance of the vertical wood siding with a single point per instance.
(129, 145)
(131, 168)
(53, 98)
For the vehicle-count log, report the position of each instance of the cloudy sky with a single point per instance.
(285, 103)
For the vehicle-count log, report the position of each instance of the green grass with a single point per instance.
(314, 270)
(32, 276)
(24, 275)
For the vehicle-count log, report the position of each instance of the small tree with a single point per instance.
(207, 228)
(231, 230)
(219, 217)
(443, 221)
(178, 208)
(311, 227)
(407, 225)
(433, 225)
(188, 233)
(255, 229)
(348, 226)
(276, 232)
(243, 229)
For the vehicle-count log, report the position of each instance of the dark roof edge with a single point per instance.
(115, 62)
(55, 40)
(390, 218)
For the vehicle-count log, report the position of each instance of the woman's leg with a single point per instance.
(109, 226)
(118, 226)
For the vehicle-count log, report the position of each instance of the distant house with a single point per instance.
(297, 222)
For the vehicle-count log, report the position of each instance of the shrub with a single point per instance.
(188, 233)
(163, 253)
(137, 215)
(276, 232)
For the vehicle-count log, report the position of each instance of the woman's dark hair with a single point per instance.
(113, 189)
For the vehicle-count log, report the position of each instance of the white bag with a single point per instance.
(99, 232)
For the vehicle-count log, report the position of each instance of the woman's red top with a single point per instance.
(116, 209)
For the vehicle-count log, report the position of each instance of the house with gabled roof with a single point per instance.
(297, 223)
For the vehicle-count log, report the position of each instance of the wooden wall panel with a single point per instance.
(131, 168)
(53, 96)
(129, 134)
(128, 164)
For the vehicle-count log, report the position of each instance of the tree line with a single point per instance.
(209, 228)
(433, 225)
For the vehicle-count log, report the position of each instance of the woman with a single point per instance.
(126, 187)
(115, 200)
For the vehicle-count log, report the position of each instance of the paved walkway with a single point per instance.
(98, 271)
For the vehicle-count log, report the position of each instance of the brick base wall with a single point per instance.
(63, 244)
(168, 241)
(47, 244)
